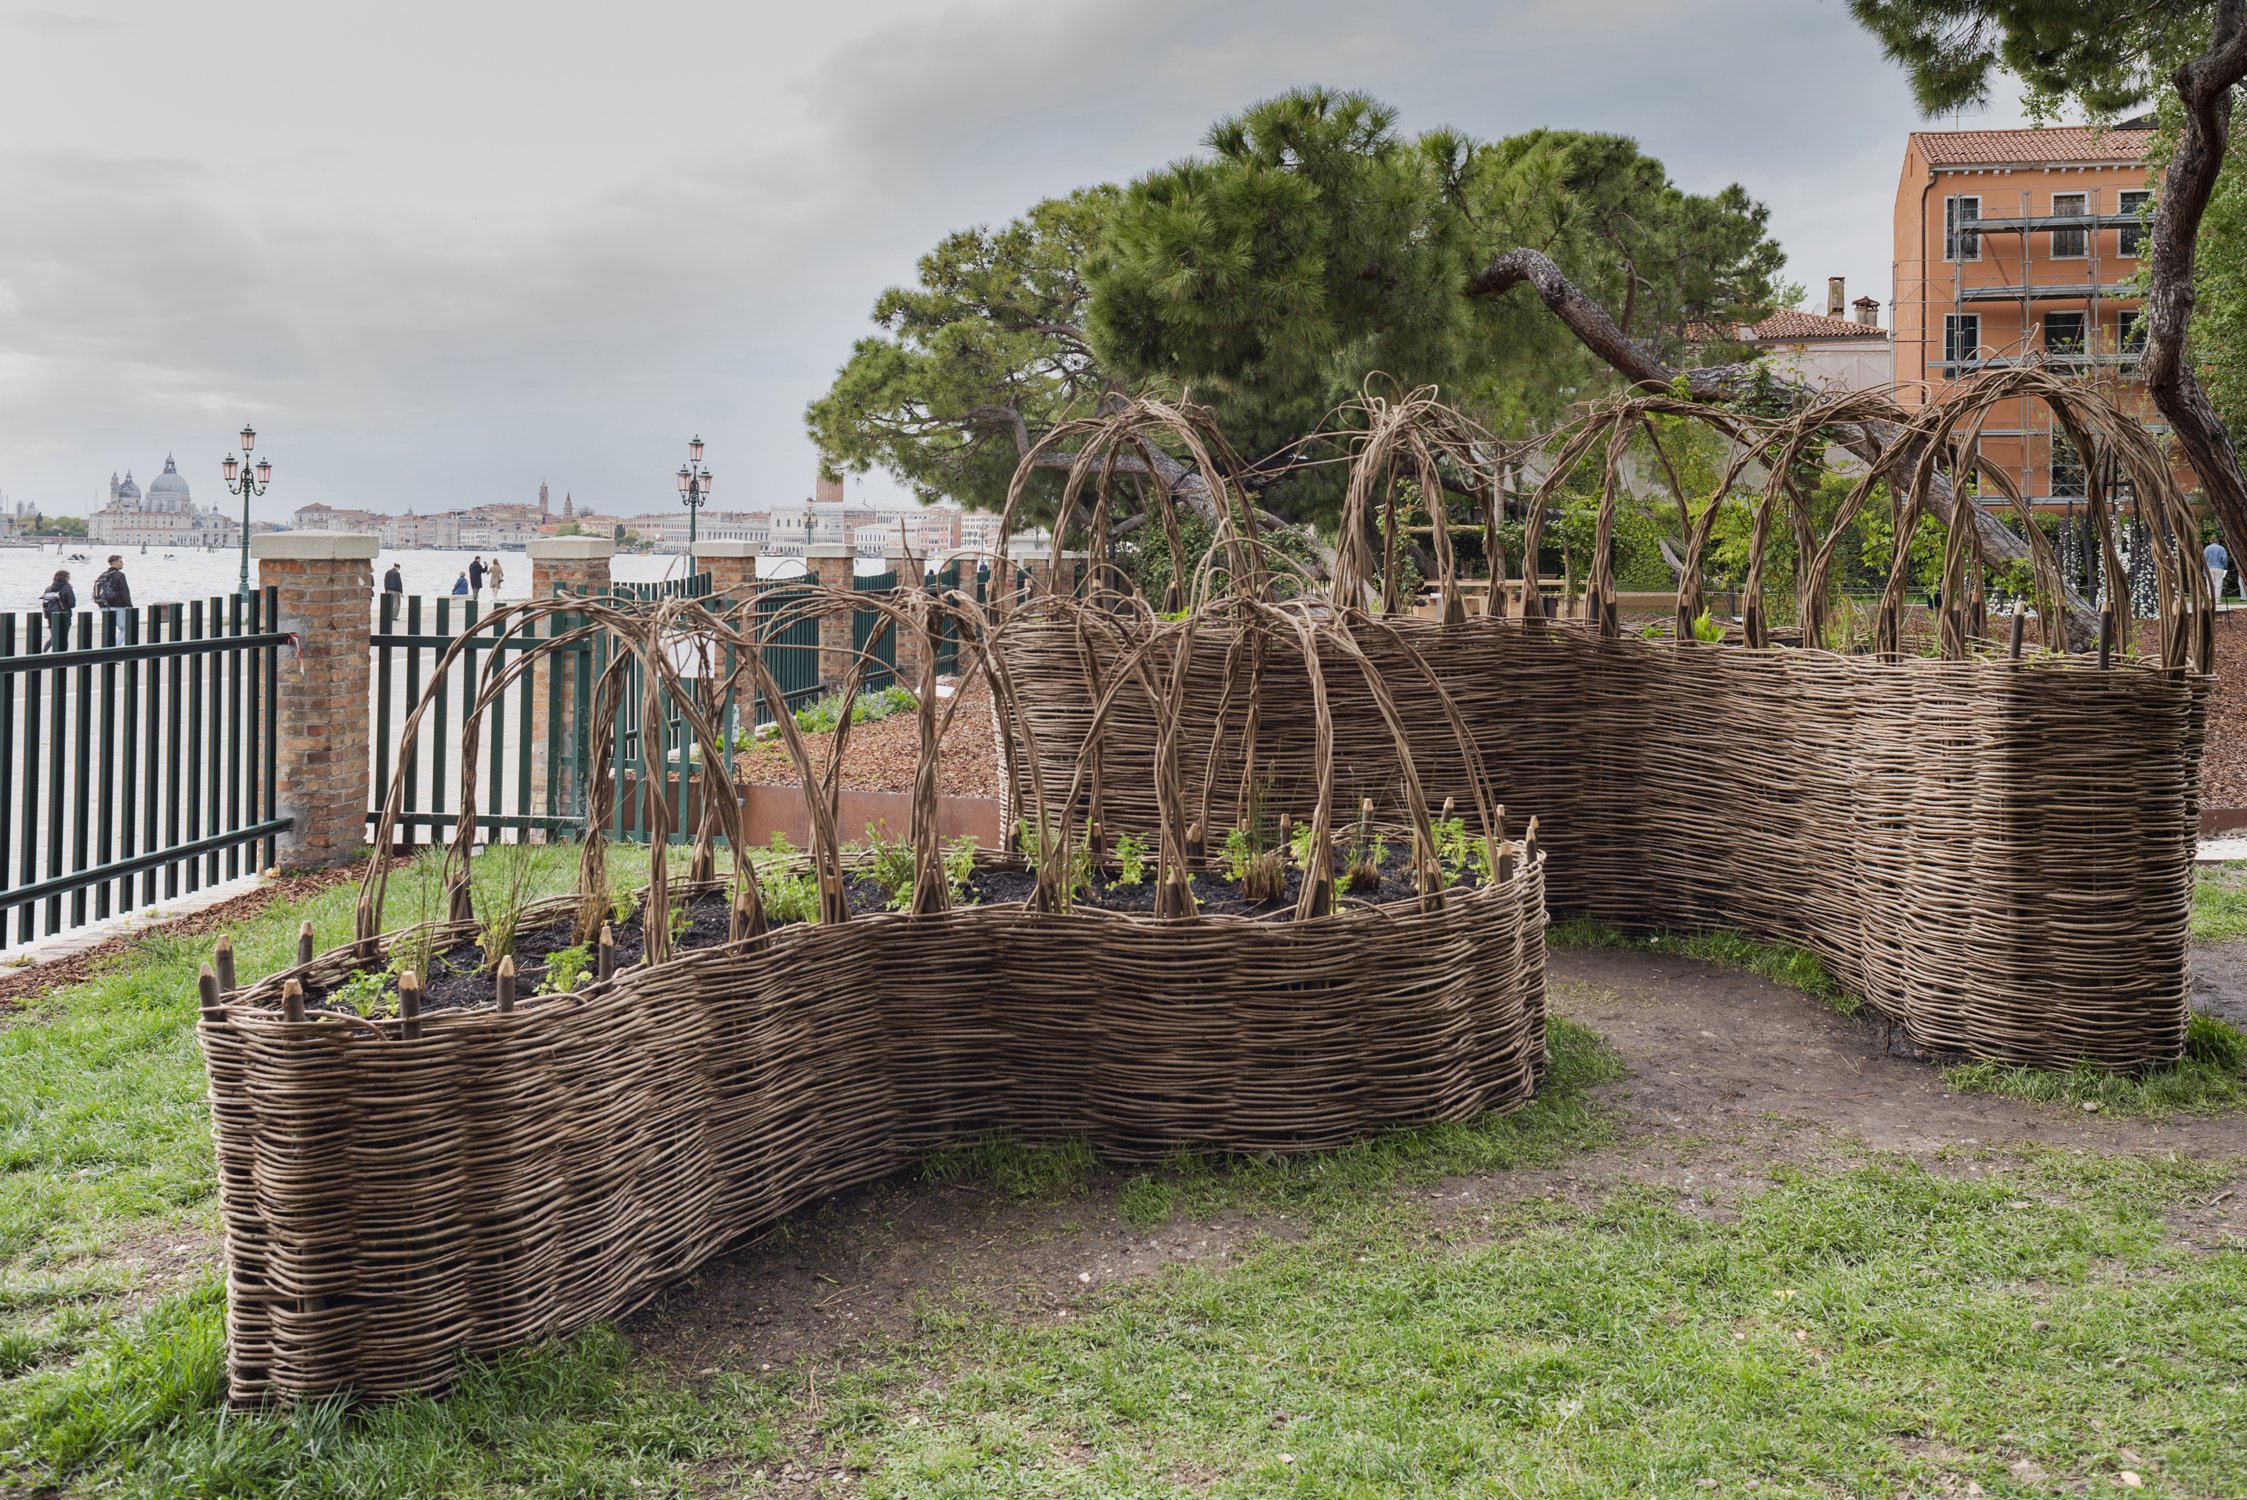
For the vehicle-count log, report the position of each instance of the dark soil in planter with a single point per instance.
(459, 979)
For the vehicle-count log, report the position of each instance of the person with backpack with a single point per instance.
(394, 581)
(58, 604)
(2219, 563)
(114, 596)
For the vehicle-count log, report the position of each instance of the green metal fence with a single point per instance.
(537, 740)
(411, 636)
(865, 626)
(136, 757)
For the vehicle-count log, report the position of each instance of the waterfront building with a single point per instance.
(163, 517)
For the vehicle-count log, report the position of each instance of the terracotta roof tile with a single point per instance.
(1999, 148)
(1790, 324)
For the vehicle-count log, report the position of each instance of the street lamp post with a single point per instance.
(695, 483)
(254, 481)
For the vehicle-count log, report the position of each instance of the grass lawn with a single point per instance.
(2219, 904)
(2025, 1321)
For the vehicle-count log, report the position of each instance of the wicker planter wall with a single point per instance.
(1996, 854)
(393, 1203)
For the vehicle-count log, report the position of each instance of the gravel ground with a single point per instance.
(2223, 766)
(881, 756)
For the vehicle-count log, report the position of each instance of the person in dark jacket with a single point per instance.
(394, 581)
(475, 576)
(114, 596)
(59, 603)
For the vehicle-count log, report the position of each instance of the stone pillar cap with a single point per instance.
(729, 548)
(570, 548)
(315, 546)
(824, 550)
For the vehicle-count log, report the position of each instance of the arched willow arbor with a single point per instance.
(1988, 838)
(403, 1187)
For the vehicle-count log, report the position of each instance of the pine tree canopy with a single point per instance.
(1310, 246)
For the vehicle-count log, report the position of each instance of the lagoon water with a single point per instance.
(162, 575)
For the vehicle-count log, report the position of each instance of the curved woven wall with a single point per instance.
(392, 1204)
(1997, 854)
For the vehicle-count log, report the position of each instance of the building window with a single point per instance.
(2130, 331)
(1962, 337)
(2071, 243)
(1960, 242)
(2063, 333)
(2067, 468)
(2134, 206)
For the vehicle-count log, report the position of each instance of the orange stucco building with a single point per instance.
(2015, 246)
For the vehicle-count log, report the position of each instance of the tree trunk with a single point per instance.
(2205, 86)
(1874, 442)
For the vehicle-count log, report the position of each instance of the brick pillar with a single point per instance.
(572, 560)
(732, 567)
(557, 563)
(324, 593)
(833, 565)
(909, 578)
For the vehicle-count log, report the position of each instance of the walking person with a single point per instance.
(58, 604)
(460, 587)
(394, 581)
(2219, 563)
(475, 576)
(113, 596)
(494, 576)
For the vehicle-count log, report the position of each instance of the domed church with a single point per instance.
(165, 517)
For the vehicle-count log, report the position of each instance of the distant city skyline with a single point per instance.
(435, 254)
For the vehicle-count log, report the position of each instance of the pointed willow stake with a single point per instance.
(604, 953)
(363, 928)
(207, 991)
(505, 985)
(409, 1006)
(2020, 624)
(222, 955)
(304, 941)
(748, 916)
(292, 1001)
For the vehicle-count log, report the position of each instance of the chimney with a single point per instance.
(1836, 306)
(828, 489)
(1868, 311)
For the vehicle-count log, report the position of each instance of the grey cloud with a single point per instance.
(434, 277)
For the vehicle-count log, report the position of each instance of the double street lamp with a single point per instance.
(253, 482)
(694, 491)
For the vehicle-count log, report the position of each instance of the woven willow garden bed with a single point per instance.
(1990, 842)
(435, 1180)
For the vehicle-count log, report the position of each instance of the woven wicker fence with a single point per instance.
(401, 1191)
(1991, 843)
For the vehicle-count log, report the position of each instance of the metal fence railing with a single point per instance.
(136, 757)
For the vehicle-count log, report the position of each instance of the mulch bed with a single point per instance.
(881, 756)
(2223, 764)
(40, 979)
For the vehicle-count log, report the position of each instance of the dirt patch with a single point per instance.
(1729, 1076)
(37, 980)
(1718, 1055)
(882, 756)
(2219, 980)
(864, 1266)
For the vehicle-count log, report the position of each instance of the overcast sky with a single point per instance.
(438, 252)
